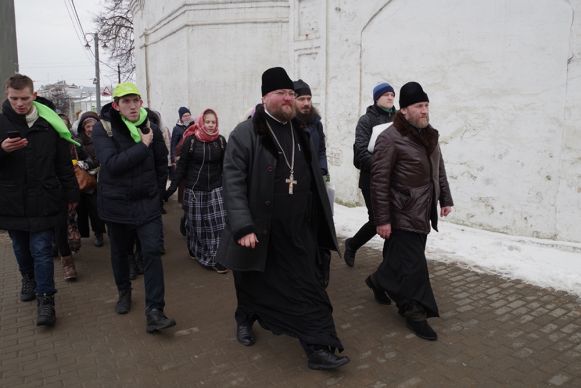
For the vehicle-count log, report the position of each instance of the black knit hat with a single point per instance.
(411, 93)
(302, 88)
(275, 78)
(182, 111)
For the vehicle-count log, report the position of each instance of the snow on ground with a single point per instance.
(544, 263)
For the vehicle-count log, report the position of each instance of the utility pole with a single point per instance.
(97, 74)
(119, 73)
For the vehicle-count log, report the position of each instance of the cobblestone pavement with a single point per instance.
(492, 332)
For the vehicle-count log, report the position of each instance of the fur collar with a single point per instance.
(259, 125)
(428, 137)
(309, 119)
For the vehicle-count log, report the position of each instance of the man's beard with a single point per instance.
(282, 114)
(420, 122)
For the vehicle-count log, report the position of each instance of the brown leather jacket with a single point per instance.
(408, 177)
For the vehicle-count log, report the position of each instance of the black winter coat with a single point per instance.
(248, 182)
(315, 127)
(200, 164)
(36, 182)
(132, 175)
(361, 156)
(176, 135)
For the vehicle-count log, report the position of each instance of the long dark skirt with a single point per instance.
(287, 298)
(404, 273)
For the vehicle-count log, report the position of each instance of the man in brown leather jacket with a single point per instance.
(408, 178)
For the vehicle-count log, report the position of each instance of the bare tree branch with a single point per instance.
(115, 25)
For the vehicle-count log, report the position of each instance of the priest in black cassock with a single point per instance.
(278, 216)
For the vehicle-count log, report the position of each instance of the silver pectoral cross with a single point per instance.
(291, 182)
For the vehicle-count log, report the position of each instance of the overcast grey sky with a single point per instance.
(49, 50)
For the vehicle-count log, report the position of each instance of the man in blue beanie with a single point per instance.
(382, 111)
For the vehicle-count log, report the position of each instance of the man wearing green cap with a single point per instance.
(36, 181)
(133, 159)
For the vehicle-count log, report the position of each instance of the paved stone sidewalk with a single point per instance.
(493, 332)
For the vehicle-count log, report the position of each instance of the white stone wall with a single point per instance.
(208, 54)
(503, 76)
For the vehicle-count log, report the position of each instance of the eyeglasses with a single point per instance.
(283, 93)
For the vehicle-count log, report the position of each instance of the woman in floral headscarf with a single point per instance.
(200, 168)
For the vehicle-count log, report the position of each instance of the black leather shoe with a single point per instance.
(245, 335)
(349, 255)
(124, 303)
(324, 360)
(156, 321)
(422, 329)
(379, 294)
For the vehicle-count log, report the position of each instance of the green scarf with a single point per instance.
(56, 122)
(133, 130)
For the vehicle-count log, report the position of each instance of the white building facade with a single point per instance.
(503, 77)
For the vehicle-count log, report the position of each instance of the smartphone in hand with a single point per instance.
(13, 134)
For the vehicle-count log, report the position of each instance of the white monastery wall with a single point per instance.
(503, 77)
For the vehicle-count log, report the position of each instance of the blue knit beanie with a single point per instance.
(380, 89)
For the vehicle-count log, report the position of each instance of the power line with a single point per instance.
(77, 16)
(74, 24)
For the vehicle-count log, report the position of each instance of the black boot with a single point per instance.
(379, 294)
(156, 321)
(324, 360)
(45, 310)
(349, 254)
(245, 335)
(28, 285)
(422, 329)
(124, 303)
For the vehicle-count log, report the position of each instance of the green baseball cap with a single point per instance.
(124, 89)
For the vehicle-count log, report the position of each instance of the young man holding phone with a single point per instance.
(133, 173)
(36, 180)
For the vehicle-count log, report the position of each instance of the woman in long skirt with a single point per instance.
(200, 169)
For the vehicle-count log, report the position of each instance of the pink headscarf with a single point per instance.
(199, 129)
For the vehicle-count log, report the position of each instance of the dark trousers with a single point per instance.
(367, 231)
(87, 211)
(121, 238)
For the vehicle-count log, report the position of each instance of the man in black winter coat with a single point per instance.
(382, 111)
(133, 159)
(278, 214)
(36, 182)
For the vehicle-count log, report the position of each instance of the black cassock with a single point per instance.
(287, 298)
